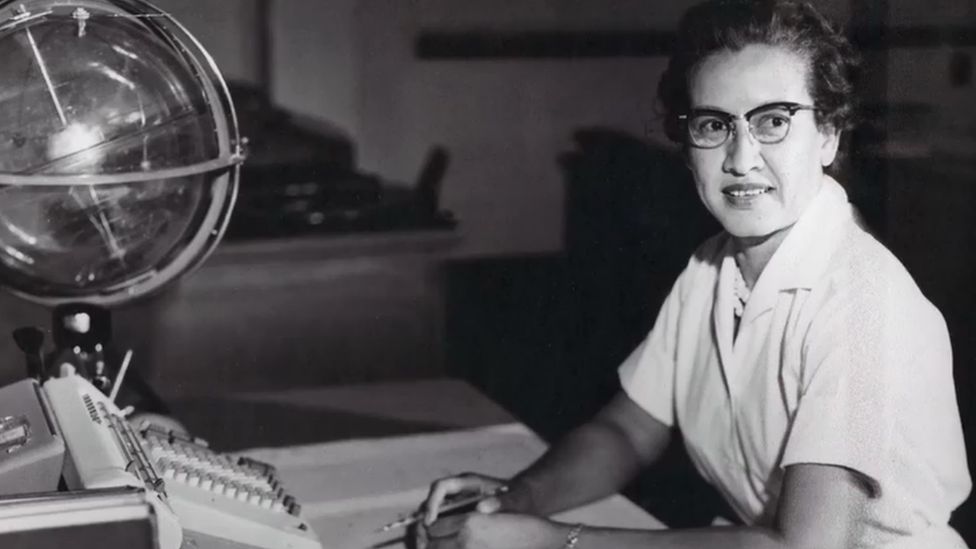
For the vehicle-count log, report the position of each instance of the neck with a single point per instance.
(753, 253)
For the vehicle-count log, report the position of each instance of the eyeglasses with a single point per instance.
(769, 124)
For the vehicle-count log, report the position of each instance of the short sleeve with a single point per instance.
(647, 375)
(863, 354)
(843, 417)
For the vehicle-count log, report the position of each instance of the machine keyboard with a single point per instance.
(229, 496)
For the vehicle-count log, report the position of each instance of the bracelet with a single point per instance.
(572, 538)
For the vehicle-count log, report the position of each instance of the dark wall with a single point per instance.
(546, 333)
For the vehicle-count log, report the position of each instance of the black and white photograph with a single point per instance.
(487, 274)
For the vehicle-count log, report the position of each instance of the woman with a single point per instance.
(809, 377)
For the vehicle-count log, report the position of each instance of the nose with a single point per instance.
(743, 153)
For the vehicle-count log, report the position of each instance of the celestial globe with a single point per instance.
(119, 150)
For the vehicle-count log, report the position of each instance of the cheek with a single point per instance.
(798, 174)
(705, 167)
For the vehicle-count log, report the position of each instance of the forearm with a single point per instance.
(703, 538)
(820, 507)
(591, 462)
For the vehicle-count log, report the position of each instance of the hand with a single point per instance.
(492, 531)
(463, 483)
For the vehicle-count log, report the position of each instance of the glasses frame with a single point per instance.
(790, 107)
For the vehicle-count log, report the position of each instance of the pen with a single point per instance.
(451, 506)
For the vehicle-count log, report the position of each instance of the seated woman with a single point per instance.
(809, 377)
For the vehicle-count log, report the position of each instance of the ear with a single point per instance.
(829, 142)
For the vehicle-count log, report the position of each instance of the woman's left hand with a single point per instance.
(494, 531)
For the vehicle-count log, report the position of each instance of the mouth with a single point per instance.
(742, 190)
(744, 194)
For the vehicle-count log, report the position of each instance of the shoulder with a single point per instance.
(863, 266)
(870, 295)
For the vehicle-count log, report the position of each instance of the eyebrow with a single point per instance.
(715, 110)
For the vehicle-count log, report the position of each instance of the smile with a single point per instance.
(745, 193)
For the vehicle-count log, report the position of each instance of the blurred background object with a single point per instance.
(301, 178)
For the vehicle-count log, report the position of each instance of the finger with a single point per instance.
(489, 505)
(465, 482)
(438, 491)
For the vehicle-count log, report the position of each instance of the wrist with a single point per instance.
(519, 498)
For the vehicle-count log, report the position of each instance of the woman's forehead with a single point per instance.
(736, 81)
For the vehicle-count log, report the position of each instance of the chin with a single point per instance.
(756, 233)
(745, 228)
(750, 228)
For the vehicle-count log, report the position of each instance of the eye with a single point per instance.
(772, 121)
(706, 124)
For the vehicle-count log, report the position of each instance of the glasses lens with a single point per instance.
(708, 130)
(770, 125)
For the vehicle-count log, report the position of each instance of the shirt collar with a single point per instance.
(804, 254)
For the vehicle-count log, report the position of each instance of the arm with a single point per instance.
(592, 461)
(820, 507)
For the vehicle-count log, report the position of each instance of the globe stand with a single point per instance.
(82, 333)
(83, 342)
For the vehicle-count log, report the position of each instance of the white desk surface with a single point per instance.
(348, 489)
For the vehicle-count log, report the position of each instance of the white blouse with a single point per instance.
(839, 360)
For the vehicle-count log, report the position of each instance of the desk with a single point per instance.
(350, 488)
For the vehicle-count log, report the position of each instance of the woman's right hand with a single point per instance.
(465, 483)
(442, 489)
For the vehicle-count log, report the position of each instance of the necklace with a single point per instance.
(741, 292)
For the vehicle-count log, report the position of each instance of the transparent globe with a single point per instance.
(119, 150)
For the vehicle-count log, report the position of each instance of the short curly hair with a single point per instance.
(717, 25)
